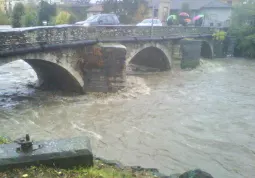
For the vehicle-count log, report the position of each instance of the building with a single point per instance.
(94, 10)
(217, 13)
(153, 8)
(163, 10)
(2, 6)
(231, 2)
(159, 9)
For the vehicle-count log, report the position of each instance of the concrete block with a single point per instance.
(62, 153)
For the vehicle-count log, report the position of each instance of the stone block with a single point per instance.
(113, 58)
(62, 153)
(191, 50)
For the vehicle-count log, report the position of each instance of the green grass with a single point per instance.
(99, 170)
(3, 140)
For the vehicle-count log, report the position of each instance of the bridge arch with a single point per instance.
(154, 55)
(55, 76)
(206, 49)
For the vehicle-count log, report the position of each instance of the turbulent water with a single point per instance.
(175, 121)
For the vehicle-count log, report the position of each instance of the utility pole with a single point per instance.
(152, 19)
(169, 7)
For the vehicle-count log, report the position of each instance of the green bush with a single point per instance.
(3, 140)
(243, 28)
(63, 17)
(29, 19)
(4, 20)
(220, 36)
(18, 12)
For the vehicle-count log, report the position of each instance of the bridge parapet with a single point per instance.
(37, 38)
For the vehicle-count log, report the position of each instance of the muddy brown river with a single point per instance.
(174, 121)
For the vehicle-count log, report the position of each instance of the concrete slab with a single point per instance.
(62, 153)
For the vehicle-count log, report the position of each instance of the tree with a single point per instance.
(243, 28)
(18, 12)
(141, 13)
(78, 13)
(30, 19)
(4, 19)
(63, 17)
(45, 12)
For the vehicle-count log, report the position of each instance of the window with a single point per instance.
(116, 20)
(211, 24)
(110, 19)
(103, 19)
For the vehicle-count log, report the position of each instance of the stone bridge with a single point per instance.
(80, 59)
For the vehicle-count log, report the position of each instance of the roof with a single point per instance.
(216, 4)
(199, 4)
(193, 4)
(95, 8)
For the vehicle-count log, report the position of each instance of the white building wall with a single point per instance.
(163, 10)
(216, 16)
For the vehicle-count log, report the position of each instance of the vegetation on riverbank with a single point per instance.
(99, 170)
(31, 14)
(243, 28)
(3, 140)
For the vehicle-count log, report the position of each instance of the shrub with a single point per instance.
(63, 17)
(243, 28)
(29, 19)
(220, 36)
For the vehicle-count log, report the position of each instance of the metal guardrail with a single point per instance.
(22, 39)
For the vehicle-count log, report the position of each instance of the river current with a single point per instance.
(174, 121)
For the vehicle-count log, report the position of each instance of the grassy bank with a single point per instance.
(3, 140)
(100, 170)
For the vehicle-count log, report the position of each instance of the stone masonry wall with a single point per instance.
(39, 37)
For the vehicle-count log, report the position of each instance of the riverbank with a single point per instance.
(152, 123)
(101, 169)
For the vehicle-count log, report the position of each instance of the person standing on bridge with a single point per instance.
(170, 20)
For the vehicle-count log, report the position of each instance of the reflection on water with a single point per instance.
(175, 120)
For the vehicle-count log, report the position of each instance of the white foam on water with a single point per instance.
(135, 87)
(143, 131)
(91, 133)
(211, 66)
